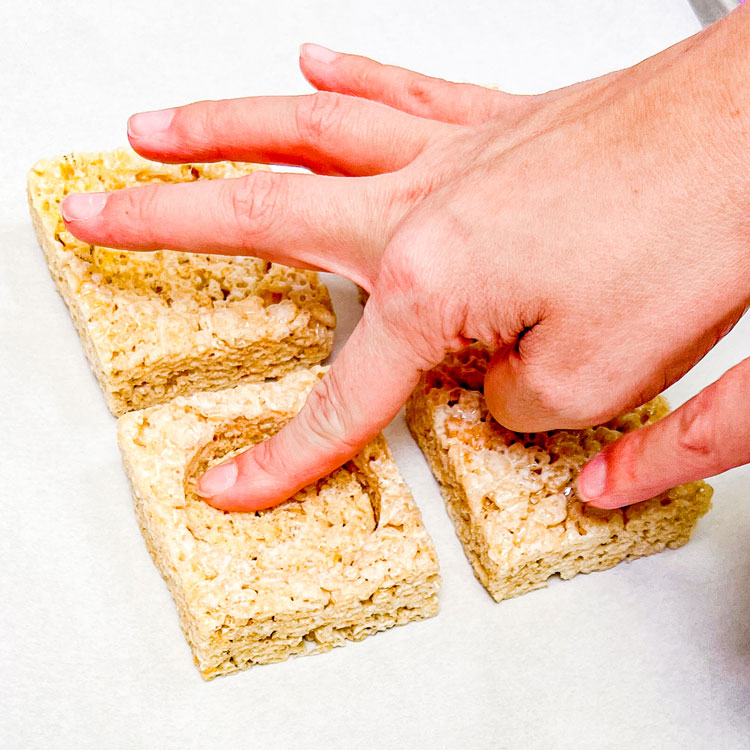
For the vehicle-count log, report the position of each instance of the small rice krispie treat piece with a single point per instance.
(156, 325)
(512, 496)
(345, 558)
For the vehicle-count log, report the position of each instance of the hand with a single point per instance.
(594, 237)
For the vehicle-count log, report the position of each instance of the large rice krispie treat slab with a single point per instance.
(512, 497)
(345, 558)
(161, 324)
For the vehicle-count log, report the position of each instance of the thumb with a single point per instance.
(364, 389)
(706, 436)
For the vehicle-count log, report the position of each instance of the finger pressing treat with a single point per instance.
(512, 497)
(155, 325)
(346, 557)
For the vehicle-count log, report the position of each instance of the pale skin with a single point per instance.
(597, 238)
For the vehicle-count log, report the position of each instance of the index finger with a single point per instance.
(329, 133)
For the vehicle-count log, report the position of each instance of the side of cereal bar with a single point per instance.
(162, 324)
(512, 496)
(346, 557)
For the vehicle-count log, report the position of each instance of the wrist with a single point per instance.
(714, 129)
(730, 138)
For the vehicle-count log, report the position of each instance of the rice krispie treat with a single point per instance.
(161, 324)
(345, 558)
(512, 496)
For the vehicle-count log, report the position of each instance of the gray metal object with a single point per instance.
(709, 11)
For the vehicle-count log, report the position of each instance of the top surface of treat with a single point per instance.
(342, 538)
(229, 297)
(520, 487)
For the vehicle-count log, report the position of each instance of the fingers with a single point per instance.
(706, 436)
(296, 219)
(328, 133)
(536, 383)
(524, 390)
(364, 389)
(432, 98)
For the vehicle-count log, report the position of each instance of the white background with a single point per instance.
(655, 654)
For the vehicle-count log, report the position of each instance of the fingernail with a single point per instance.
(217, 480)
(317, 53)
(148, 124)
(82, 206)
(592, 480)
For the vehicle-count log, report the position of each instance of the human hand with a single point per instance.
(580, 234)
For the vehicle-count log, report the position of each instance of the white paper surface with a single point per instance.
(655, 654)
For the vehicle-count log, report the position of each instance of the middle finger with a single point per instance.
(326, 132)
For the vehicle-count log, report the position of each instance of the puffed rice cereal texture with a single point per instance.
(512, 497)
(156, 325)
(346, 557)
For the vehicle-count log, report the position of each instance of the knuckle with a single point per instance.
(367, 76)
(199, 120)
(697, 436)
(324, 420)
(318, 114)
(412, 304)
(408, 193)
(140, 209)
(141, 204)
(400, 275)
(419, 261)
(265, 460)
(489, 104)
(402, 289)
(421, 92)
(253, 202)
(205, 127)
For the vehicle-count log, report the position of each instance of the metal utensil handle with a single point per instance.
(709, 11)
